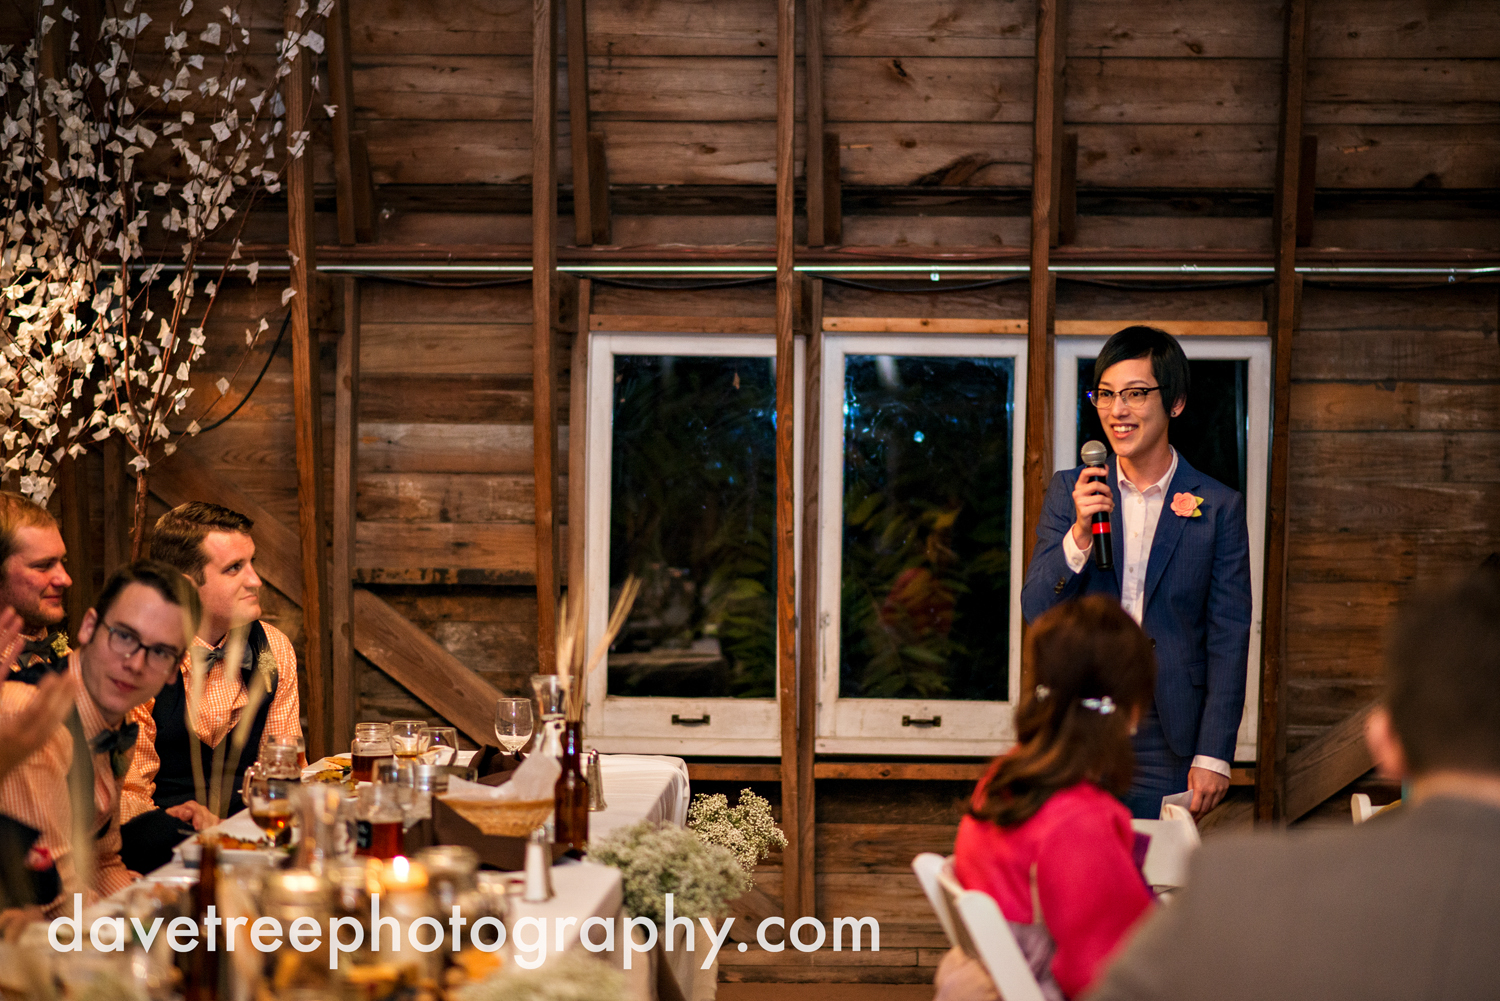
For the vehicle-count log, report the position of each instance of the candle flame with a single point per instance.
(400, 868)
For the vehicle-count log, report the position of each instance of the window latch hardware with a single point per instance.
(933, 721)
(690, 721)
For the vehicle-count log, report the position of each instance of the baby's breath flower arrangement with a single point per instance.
(655, 860)
(573, 976)
(746, 828)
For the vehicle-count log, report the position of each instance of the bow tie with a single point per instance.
(39, 657)
(118, 744)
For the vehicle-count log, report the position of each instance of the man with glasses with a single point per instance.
(128, 644)
(211, 545)
(1181, 567)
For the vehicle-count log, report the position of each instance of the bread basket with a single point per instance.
(502, 818)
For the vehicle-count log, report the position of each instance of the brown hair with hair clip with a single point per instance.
(1094, 667)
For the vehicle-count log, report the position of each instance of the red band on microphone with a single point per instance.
(1101, 528)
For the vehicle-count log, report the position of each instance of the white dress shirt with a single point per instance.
(1140, 511)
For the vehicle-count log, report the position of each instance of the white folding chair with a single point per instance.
(1363, 809)
(974, 924)
(1174, 838)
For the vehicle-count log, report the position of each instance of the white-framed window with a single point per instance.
(681, 491)
(1224, 432)
(920, 492)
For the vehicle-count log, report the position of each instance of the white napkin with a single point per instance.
(534, 780)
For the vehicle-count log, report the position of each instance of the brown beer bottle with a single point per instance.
(202, 982)
(571, 795)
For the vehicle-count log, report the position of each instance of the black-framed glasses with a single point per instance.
(126, 643)
(1135, 398)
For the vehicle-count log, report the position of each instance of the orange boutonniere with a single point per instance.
(1186, 505)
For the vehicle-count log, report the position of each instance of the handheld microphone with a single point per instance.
(1094, 453)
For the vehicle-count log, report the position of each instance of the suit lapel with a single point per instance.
(1168, 527)
(1117, 527)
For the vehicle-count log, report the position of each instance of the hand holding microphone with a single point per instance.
(1093, 502)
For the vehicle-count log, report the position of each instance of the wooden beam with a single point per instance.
(364, 187)
(72, 515)
(432, 674)
(116, 492)
(1067, 189)
(810, 319)
(798, 899)
(307, 395)
(578, 423)
(345, 487)
(1062, 328)
(1270, 792)
(578, 122)
(599, 188)
(813, 153)
(1045, 168)
(1307, 174)
(341, 90)
(544, 322)
(833, 190)
(684, 324)
(1330, 762)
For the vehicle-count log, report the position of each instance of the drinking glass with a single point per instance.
(271, 807)
(549, 696)
(439, 745)
(372, 741)
(513, 723)
(294, 741)
(406, 739)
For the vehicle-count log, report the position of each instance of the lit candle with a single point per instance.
(401, 875)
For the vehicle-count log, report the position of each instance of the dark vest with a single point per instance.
(174, 742)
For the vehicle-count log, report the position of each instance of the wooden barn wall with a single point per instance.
(935, 98)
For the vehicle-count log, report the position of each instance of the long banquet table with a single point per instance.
(636, 787)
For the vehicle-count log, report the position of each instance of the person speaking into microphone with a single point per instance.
(1179, 565)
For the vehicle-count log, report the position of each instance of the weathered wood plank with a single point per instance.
(1315, 607)
(1366, 354)
(1335, 505)
(388, 27)
(1326, 765)
(1397, 554)
(1403, 91)
(1335, 653)
(447, 448)
(415, 349)
(684, 324)
(416, 661)
(447, 399)
(502, 303)
(307, 393)
(1394, 406)
(879, 848)
(399, 545)
(345, 486)
(1397, 457)
(445, 497)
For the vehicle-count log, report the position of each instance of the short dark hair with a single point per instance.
(161, 578)
(1443, 676)
(178, 538)
(17, 512)
(1087, 648)
(1168, 364)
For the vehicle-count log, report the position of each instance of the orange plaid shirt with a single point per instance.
(36, 794)
(224, 698)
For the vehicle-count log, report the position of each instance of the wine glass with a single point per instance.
(406, 739)
(439, 745)
(271, 807)
(549, 695)
(513, 723)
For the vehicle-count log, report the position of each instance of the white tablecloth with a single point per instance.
(640, 787)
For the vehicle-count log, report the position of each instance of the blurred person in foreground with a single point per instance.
(1045, 834)
(1404, 906)
(211, 546)
(127, 644)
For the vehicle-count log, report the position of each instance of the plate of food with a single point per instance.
(233, 850)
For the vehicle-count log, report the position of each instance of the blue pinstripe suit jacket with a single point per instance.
(1197, 601)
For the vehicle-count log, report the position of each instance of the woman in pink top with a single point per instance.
(1045, 835)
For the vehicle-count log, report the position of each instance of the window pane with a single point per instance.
(1211, 431)
(925, 601)
(693, 514)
